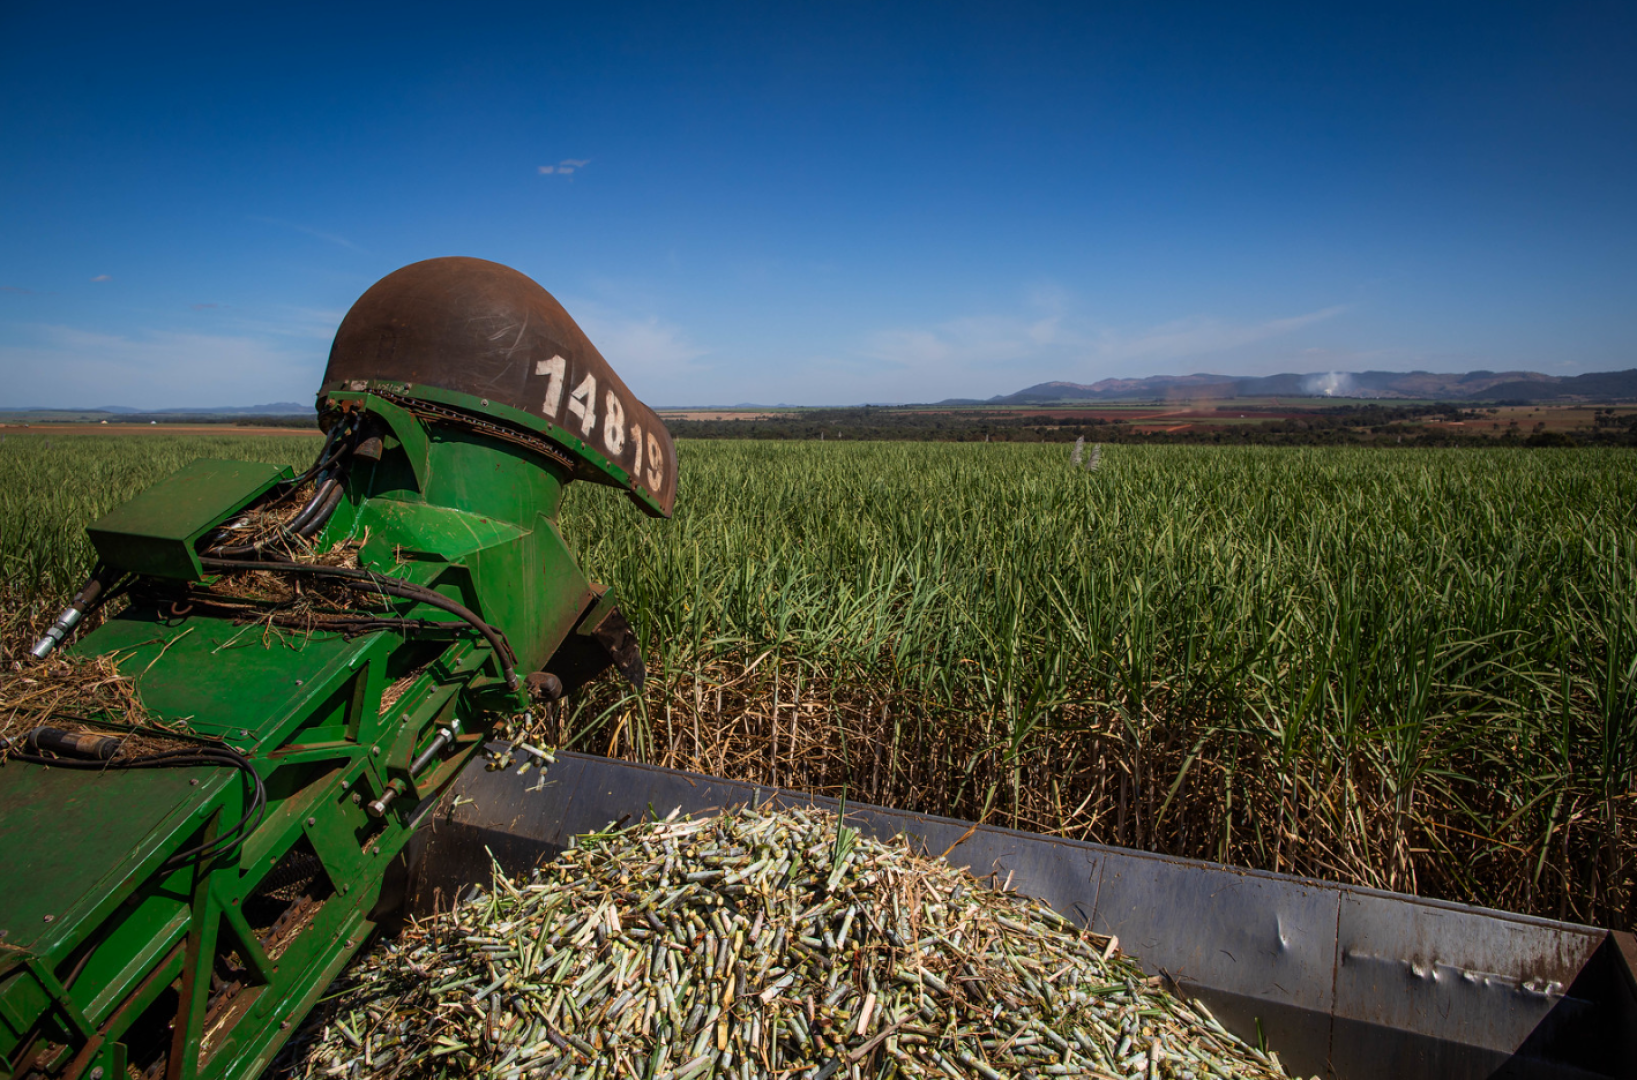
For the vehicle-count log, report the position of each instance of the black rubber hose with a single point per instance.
(330, 452)
(392, 587)
(323, 514)
(320, 494)
(328, 491)
(323, 500)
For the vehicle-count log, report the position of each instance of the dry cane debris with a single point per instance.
(79, 695)
(756, 944)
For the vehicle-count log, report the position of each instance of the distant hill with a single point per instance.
(1472, 386)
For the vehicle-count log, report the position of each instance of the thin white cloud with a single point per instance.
(566, 167)
(102, 277)
(656, 357)
(1202, 337)
(65, 366)
(1048, 339)
(308, 230)
(647, 343)
(1059, 335)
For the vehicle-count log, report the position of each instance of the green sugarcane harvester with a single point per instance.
(176, 912)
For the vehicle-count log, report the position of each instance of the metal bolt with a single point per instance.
(96, 1073)
(376, 750)
(298, 682)
(356, 798)
(312, 821)
(244, 733)
(349, 943)
(51, 918)
(284, 1025)
(194, 782)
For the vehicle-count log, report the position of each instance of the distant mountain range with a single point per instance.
(1529, 386)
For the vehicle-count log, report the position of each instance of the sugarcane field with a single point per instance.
(1407, 673)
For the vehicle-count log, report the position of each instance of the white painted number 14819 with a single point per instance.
(582, 402)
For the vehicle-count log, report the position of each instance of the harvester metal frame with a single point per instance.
(174, 913)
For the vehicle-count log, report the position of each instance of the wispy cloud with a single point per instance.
(637, 345)
(16, 289)
(62, 365)
(202, 307)
(102, 277)
(308, 230)
(1054, 331)
(1047, 337)
(566, 167)
(1203, 337)
(285, 321)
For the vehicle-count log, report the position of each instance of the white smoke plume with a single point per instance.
(1330, 384)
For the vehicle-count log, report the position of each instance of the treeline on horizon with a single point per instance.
(1366, 424)
(125, 420)
(1337, 425)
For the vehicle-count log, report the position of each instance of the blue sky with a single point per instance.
(822, 204)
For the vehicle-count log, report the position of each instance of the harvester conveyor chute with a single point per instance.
(1341, 981)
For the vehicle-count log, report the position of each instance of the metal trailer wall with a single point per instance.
(1343, 982)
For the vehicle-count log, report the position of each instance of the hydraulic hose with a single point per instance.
(323, 459)
(320, 494)
(91, 594)
(329, 469)
(318, 519)
(367, 579)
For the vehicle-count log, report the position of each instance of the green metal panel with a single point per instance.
(155, 532)
(73, 837)
(277, 674)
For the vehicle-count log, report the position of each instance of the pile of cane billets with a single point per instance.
(756, 943)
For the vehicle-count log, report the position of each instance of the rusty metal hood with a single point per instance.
(485, 330)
